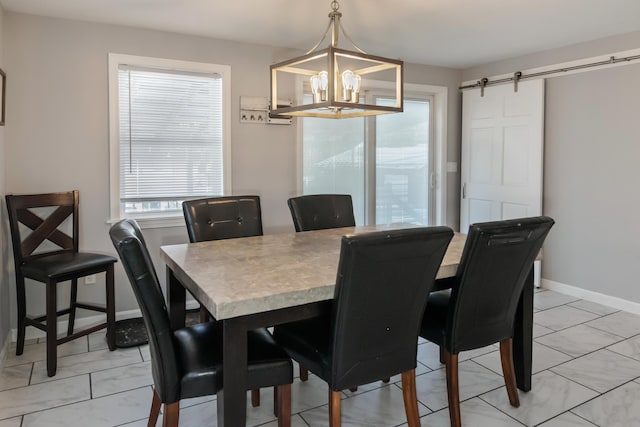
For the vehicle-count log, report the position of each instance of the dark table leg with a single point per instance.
(232, 399)
(176, 297)
(523, 336)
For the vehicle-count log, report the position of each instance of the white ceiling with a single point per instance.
(452, 33)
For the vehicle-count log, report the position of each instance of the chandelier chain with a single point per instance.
(334, 18)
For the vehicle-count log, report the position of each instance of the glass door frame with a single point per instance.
(371, 160)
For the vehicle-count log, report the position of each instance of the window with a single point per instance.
(169, 136)
(388, 163)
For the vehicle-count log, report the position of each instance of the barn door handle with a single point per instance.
(464, 190)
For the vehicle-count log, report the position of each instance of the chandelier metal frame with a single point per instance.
(335, 78)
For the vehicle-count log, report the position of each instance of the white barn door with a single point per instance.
(502, 153)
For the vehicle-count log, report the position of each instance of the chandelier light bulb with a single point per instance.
(315, 87)
(355, 94)
(350, 86)
(323, 80)
(347, 85)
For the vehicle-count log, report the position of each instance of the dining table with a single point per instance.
(252, 282)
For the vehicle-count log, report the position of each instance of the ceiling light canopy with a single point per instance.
(334, 80)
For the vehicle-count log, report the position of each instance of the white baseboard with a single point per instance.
(81, 323)
(608, 300)
(4, 351)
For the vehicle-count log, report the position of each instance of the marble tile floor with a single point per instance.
(586, 373)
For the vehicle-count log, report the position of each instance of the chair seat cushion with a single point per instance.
(199, 353)
(269, 364)
(199, 356)
(309, 342)
(435, 317)
(65, 266)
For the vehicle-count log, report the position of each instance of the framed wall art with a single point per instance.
(3, 87)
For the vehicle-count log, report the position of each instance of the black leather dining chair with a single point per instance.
(321, 211)
(481, 307)
(46, 249)
(217, 218)
(187, 363)
(371, 329)
(226, 217)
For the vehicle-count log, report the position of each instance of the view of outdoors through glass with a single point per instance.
(334, 153)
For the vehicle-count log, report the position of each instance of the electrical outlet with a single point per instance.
(90, 279)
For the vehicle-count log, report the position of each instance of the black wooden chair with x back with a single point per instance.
(48, 253)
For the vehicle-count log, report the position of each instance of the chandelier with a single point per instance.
(334, 80)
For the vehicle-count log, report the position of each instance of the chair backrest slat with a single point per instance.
(321, 211)
(495, 262)
(226, 217)
(45, 229)
(20, 209)
(382, 285)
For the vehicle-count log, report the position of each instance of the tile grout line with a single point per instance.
(498, 409)
(589, 400)
(578, 415)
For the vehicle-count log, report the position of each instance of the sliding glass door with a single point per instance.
(384, 162)
(402, 164)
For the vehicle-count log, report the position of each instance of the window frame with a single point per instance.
(115, 60)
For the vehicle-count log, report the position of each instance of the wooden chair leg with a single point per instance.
(22, 313)
(506, 358)
(410, 398)
(453, 394)
(255, 397)
(283, 397)
(275, 401)
(72, 306)
(52, 328)
(204, 315)
(353, 389)
(386, 380)
(155, 410)
(304, 373)
(171, 415)
(335, 419)
(111, 309)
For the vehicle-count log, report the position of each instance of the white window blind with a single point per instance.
(171, 138)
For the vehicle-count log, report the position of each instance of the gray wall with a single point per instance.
(57, 133)
(4, 234)
(590, 168)
(555, 56)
